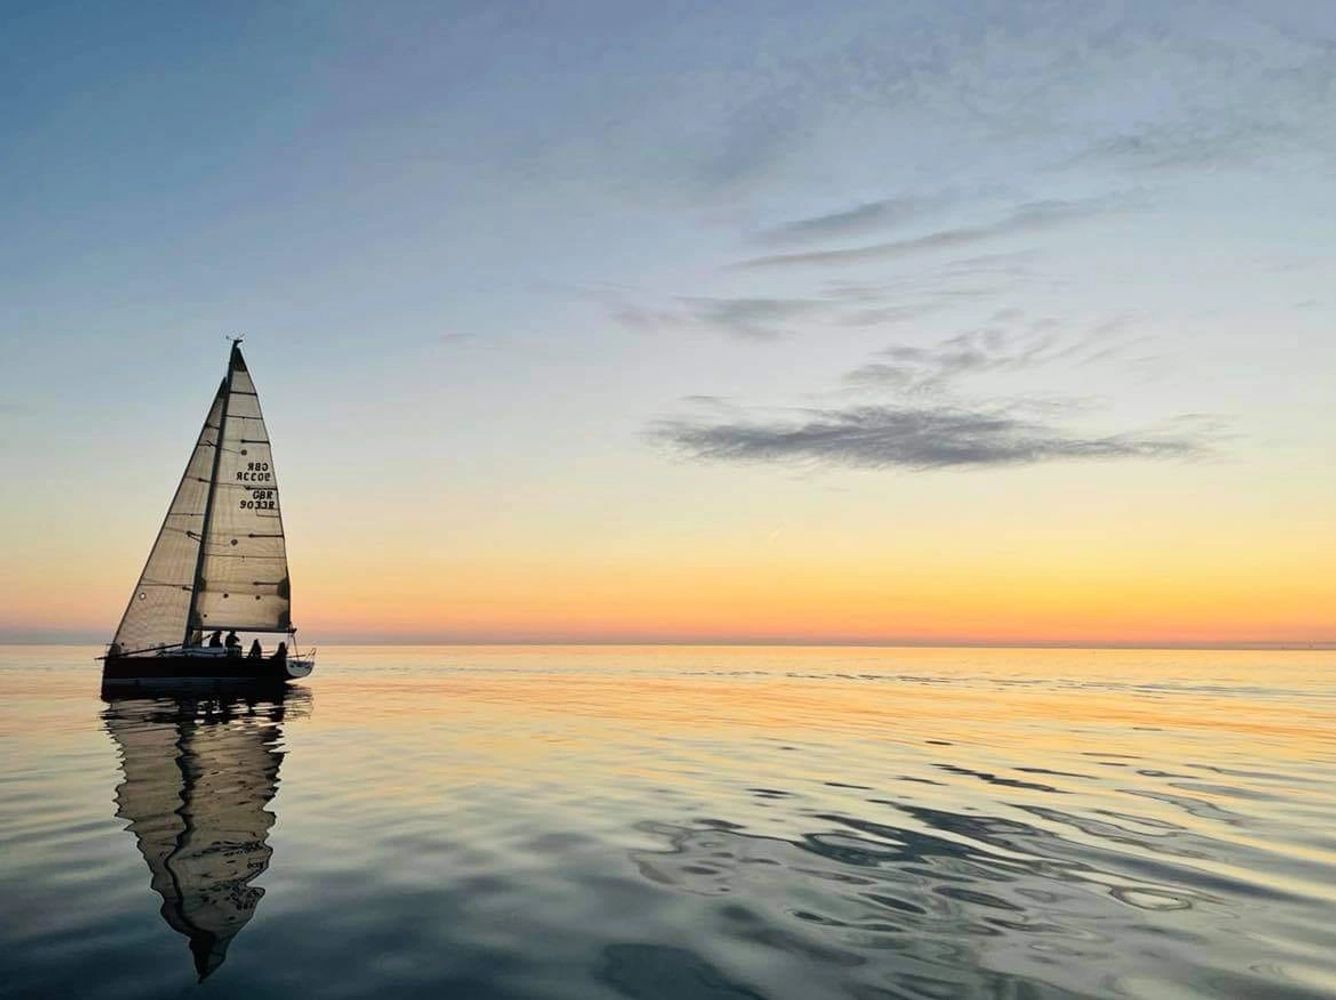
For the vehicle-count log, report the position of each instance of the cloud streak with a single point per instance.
(914, 370)
(743, 317)
(913, 438)
(1027, 218)
(869, 216)
(837, 304)
(752, 318)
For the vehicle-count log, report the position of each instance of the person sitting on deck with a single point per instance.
(255, 651)
(216, 640)
(233, 644)
(281, 653)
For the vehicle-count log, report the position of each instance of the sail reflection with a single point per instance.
(200, 771)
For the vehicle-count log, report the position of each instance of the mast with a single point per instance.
(208, 501)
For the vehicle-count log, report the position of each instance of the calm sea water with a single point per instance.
(677, 823)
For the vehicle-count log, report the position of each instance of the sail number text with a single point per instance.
(259, 499)
(255, 472)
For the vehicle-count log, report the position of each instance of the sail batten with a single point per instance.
(200, 573)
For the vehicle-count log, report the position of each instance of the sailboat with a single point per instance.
(219, 564)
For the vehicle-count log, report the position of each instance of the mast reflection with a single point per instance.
(200, 770)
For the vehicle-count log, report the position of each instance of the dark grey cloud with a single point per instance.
(1030, 217)
(915, 438)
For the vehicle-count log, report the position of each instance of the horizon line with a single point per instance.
(1275, 645)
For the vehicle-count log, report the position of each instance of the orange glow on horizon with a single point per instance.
(992, 581)
(793, 601)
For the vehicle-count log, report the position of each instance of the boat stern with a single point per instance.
(300, 666)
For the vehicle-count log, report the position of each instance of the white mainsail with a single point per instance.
(220, 561)
(243, 579)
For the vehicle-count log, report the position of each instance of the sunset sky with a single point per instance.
(843, 322)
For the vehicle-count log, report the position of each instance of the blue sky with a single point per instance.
(602, 278)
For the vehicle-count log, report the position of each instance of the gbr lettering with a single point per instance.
(255, 472)
(260, 498)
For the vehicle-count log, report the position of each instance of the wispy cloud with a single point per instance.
(757, 318)
(744, 317)
(1027, 218)
(1009, 344)
(927, 422)
(890, 302)
(869, 216)
(915, 438)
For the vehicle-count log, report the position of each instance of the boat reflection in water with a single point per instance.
(200, 771)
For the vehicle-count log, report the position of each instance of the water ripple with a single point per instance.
(662, 824)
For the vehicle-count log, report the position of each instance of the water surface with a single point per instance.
(654, 822)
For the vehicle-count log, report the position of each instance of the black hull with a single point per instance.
(159, 670)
